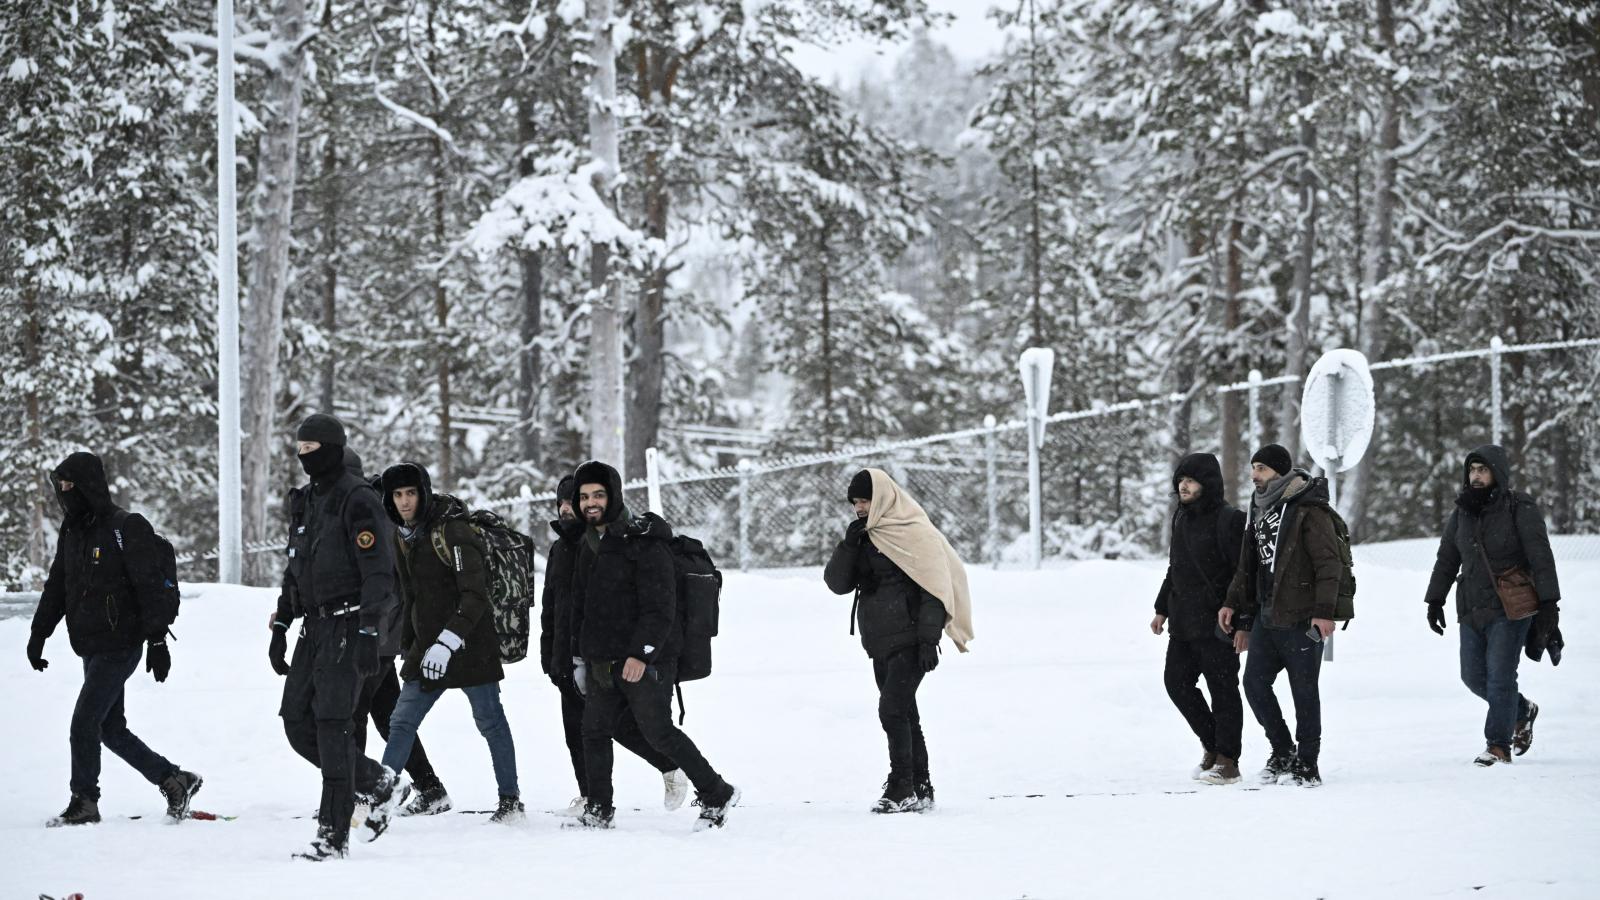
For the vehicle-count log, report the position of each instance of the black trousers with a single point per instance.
(1219, 726)
(650, 702)
(379, 694)
(99, 718)
(318, 709)
(627, 734)
(899, 675)
(1274, 650)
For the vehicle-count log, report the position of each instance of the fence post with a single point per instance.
(1255, 410)
(744, 515)
(527, 506)
(1497, 422)
(652, 476)
(991, 453)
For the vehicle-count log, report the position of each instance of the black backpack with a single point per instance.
(699, 586)
(166, 593)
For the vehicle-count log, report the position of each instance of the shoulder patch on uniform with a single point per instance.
(365, 539)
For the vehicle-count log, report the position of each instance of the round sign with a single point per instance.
(1338, 410)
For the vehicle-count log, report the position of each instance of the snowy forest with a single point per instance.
(457, 219)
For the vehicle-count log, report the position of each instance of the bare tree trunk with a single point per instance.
(823, 288)
(444, 477)
(655, 76)
(532, 263)
(606, 398)
(273, 211)
(1299, 319)
(1035, 239)
(330, 266)
(1232, 402)
(38, 548)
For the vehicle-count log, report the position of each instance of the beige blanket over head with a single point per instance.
(902, 531)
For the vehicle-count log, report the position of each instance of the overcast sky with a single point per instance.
(971, 37)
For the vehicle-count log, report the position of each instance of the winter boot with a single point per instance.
(1226, 771)
(1492, 755)
(574, 809)
(1207, 760)
(509, 812)
(179, 788)
(80, 811)
(391, 792)
(677, 789)
(429, 800)
(898, 796)
(1305, 774)
(924, 789)
(593, 816)
(1278, 765)
(714, 809)
(1523, 739)
(324, 847)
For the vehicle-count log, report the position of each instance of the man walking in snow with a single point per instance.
(1207, 536)
(626, 637)
(341, 564)
(555, 630)
(1288, 582)
(1496, 541)
(106, 582)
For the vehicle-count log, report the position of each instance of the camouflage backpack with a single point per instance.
(508, 572)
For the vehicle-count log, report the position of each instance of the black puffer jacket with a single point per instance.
(1512, 531)
(624, 586)
(105, 573)
(1206, 539)
(555, 619)
(892, 610)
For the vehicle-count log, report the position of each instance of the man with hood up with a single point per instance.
(1288, 582)
(1494, 530)
(910, 587)
(555, 624)
(106, 582)
(340, 579)
(1207, 535)
(626, 644)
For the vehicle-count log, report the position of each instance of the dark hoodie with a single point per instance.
(1293, 557)
(624, 588)
(1512, 532)
(1206, 539)
(105, 574)
(555, 614)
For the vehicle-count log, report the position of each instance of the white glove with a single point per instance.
(580, 675)
(437, 659)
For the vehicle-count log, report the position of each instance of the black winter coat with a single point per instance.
(1207, 537)
(625, 593)
(892, 610)
(105, 574)
(555, 618)
(442, 595)
(341, 552)
(1512, 532)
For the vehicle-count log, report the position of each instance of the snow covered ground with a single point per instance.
(1060, 698)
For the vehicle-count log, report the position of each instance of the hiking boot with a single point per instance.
(509, 812)
(1226, 771)
(80, 811)
(179, 788)
(392, 791)
(924, 789)
(324, 847)
(1523, 739)
(677, 789)
(1208, 760)
(1305, 774)
(1492, 755)
(1278, 765)
(898, 796)
(574, 809)
(714, 810)
(427, 801)
(593, 816)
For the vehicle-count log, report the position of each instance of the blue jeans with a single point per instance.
(1489, 658)
(99, 719)
(487, 712)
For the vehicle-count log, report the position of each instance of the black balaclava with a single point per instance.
(90, 495)
(328, 431)
(860, 486)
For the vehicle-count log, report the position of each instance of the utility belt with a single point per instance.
(330, 612)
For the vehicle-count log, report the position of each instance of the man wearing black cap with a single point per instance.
(626, 643)
(1495, 535)
(340, 577)
(106, 583)
(1288, 580)
(555, 630)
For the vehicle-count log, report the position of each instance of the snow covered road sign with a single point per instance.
(1337, 412)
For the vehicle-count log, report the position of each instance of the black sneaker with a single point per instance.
(593, 816)
(323, 848)
(80, 811)
(509, 812)
(427, 800)
(1523, 739)
(898, 797)
(391, 792)
(1305, 774)
(1278, 765)
(714, 810)
(924, 789)
(179, 788)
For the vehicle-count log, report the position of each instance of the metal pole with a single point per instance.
(652, 477)
(1255, 410)
(1497, 426)
(1035, 493)
(991, 453)
(230, 546)
(744, 515)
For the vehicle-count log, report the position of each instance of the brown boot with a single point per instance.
(1492, 755)
(1206, 762)
(1226, 771)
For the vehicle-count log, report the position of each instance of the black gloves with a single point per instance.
(856, 531)
(279, 648)
(1436, 617)
(928, 656)
(158, 660)
(1548, 619)
(36, 653)
(366, 650)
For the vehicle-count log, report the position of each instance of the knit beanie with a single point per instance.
(1275, 457)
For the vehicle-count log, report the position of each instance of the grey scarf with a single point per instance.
(409, 534)
(1278, 490)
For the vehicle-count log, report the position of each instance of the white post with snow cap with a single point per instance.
(1255, 410)
(652, 477)
(230, 540)
(1497, 419)
(1036, 366)
(744, 515)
